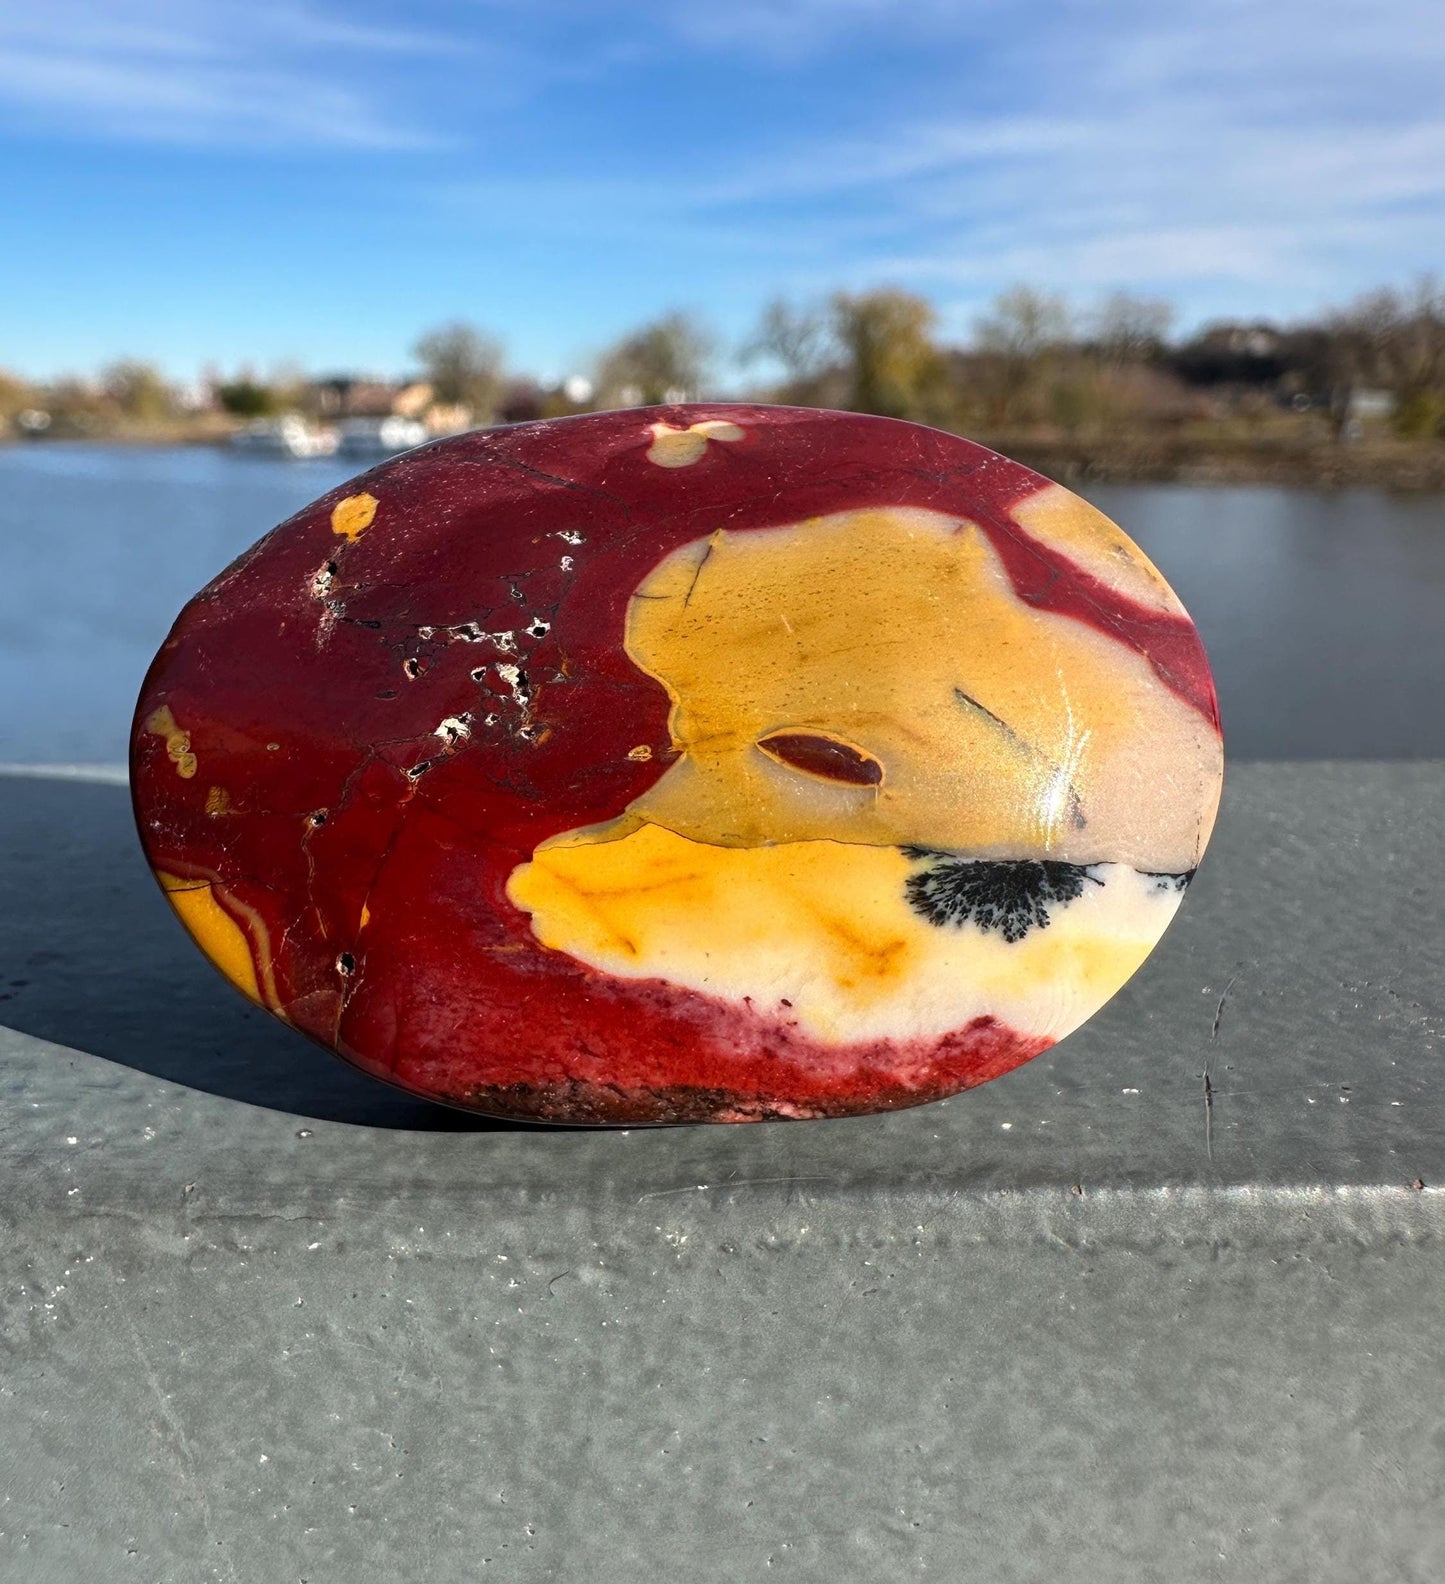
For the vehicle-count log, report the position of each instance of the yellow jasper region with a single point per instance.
(827, 927)
(220, 937)
(1001, 730)
(1095, 545)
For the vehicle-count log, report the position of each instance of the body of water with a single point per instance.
(1323, 611)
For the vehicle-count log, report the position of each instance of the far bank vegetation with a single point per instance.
(1108, 389)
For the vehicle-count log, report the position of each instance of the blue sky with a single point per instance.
(270, 181)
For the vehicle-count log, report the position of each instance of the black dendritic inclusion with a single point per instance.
(1005, 897)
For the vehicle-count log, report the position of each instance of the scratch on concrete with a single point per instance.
(792, 1180)
(180, 1446)
(1219, 1010)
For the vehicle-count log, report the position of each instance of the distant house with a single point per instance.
(524, 399)
(1257, 340)
(339, 398)
(359, 396)
(413, 399)
(1232, 354)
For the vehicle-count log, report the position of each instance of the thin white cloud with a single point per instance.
(203, 72)
(202, 27)
(790, 28)
(895, 154)
(1167, 195)
(144, 101)
(1287, 152)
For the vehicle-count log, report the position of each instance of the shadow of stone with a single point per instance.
(92, 957)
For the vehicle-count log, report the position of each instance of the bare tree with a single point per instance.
(1129, 329)
(139, 390)
(799, 339)
(1019, 337)
(464, 366)
(1024, 323)
(1393, 340)
(1404, 335)
(662, 362)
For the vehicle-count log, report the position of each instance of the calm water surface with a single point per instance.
(1324, 612)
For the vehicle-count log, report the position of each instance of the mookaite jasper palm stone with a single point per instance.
(694, 763)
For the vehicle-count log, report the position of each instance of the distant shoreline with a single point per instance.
(1281, 460)
(1417, 466)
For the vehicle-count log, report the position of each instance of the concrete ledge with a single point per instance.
(266, 1320)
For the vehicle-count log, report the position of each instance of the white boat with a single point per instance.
(288, 436)
(381, 437)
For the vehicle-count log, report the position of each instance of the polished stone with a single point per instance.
(715, 763)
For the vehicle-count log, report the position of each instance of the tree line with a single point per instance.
(1032, 363)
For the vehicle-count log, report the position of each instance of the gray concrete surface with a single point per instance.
(262, 1320)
